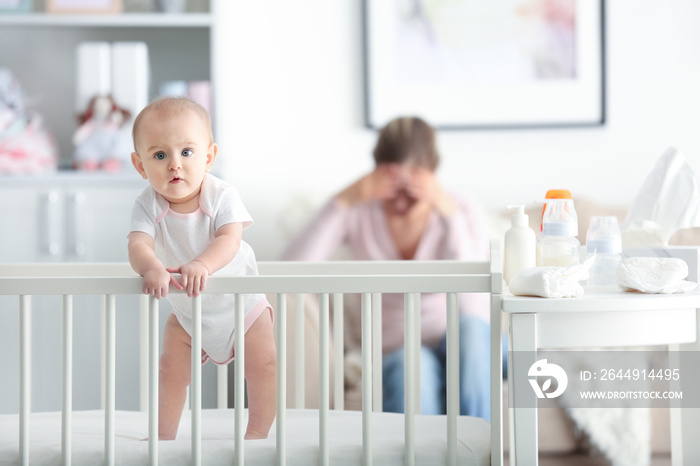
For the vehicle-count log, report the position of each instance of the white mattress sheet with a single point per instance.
(345, 434)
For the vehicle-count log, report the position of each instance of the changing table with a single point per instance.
(614, 319)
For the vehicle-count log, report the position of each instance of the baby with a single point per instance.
(190, 223)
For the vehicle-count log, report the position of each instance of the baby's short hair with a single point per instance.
(168, 105)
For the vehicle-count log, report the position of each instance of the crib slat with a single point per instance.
(153, 332)
(110, 376)
(143, 352)
(281, 453)
(409, 377)
(103, 351)
(299, 339)
(338, 353)
(67, 405)
(366, 379)
(377, 397)
(452, 376)
(417, 348)
(196, 384)
(324, 378)
(239, 390)
(25, 376)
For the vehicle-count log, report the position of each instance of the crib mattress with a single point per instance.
(345, 434)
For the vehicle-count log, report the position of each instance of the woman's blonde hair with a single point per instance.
(407, 139)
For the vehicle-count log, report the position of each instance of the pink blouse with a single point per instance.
(365, 230)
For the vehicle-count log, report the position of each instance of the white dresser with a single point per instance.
(67, 217)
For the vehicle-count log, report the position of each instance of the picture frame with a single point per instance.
(16, 6)
(84, 6)
(485, 65)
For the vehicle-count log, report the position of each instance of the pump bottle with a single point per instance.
(519, 244)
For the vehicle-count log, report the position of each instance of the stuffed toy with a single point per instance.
(26, 147)
(103, 139)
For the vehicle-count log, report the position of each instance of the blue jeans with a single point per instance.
(474, 390)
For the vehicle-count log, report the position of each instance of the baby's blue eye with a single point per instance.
(160, 155)
(187, 152)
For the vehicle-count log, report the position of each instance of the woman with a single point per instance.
(400, 211)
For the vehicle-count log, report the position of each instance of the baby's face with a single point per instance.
(173, 152)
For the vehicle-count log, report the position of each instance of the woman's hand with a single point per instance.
(193, 277)
(381, 183)
(424, 186)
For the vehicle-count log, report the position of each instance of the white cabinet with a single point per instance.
(25, 221)
(67, 218)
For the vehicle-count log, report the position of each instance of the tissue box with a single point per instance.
(690, 254)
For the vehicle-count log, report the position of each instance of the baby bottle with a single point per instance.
(557, 244)
(554, 194)
(604, 242)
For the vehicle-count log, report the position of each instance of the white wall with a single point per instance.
(294, 97)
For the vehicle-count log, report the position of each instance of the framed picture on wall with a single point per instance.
(487, 64)
(84, 6)
(15, 6)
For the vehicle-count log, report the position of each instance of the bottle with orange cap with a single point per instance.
(554, 194)
(557, 244)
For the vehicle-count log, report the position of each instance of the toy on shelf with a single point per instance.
(103, 139)
(26, 147)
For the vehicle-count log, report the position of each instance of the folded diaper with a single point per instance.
(550, 282)
(654, 275)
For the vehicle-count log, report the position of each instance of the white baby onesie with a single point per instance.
(179, 238)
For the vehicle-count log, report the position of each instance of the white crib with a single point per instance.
(215, 436)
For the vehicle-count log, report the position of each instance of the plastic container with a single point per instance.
(558, 245)
(604, 244)
(519, 244)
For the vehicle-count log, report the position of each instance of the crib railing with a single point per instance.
(368, 279)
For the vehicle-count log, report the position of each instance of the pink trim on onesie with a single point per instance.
(248, 322)
(182, 216)
(206, 211)
(167, 210)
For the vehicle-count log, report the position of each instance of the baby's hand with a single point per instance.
(156, 282)
(193, 277)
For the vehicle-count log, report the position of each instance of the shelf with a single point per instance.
(194, 20)
(68, 177)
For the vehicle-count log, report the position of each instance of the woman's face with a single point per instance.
(403, 199)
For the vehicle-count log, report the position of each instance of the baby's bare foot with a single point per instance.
(252, 435)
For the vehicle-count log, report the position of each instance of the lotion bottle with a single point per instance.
(519, 244)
